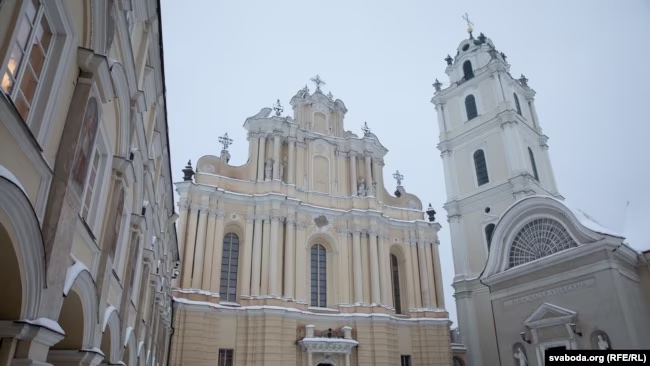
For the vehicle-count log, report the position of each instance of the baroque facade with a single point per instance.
(301, 256)
(87, 217)
(532, 272)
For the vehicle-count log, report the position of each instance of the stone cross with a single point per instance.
(365, 129)
(277, 107)
(398, 177)
(318, 81)
(470, 25)
(225, 140)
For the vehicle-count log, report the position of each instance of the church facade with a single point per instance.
(301, 256)
(531, 271)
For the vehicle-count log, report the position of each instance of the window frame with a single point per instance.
(99, 192)
(468, 71)
(533, 164)
(222, 357)
(405, 360)
(321, 271)
(467, 110)
(395, 283)
(480, 183)
(517, 105)
(489, 233)
(226, 261)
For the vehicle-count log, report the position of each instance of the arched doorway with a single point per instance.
(12, 291)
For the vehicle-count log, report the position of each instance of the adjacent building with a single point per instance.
(301, 256)
(87, 216)
(532, 272)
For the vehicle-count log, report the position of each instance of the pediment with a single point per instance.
(548, 314)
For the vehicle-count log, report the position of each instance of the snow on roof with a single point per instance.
(71, 275)
(46, 323)
(588, 221)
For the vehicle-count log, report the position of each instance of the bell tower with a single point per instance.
(494, 152)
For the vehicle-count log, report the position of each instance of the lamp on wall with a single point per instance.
(524, 337)
(574, 329)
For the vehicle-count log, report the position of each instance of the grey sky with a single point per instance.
(587, 61)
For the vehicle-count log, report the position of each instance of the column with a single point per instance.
(378, 177)
(209, 250)
(384, 270)
(257, 257)
(217, 252)
(433, 287)
(289, 257)
(301, 262)
(441, 118)
(245, 257)
(407, 269)
(197, 272)
(344, 272)
(291, 171)
(274, 288)
(369, 179)
(415, 268)
(188, 258)
(265, 255)
(375, 295)
(447, 166)
(424, 275)
(357, 267)
(183, 206)
(353, 173)
(261, 157)
(276, 154)
(513, 149)
(438, 276)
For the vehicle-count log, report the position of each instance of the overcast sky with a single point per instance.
(587, 61)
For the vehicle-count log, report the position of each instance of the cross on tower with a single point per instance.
(365, 129)
(398, 177)
(225, 140)
(470, 25)
(318, 81)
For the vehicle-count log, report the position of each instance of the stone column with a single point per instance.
(357, 268)
(197, 272)
(261, 157)
(291, 171)
(188, 258)
(344, 271)
(257, 257)
(433, 287)
(301, 259)
(274, 281)
(415, 269)
(183, 207)
(369, 178)
(246, 255)
(209, 250)
(438, 276)
(384, 270)
(289, 257)
(379, 179)
(441, 118)
(512, 147)
(353, 173)
(424, 275)
(448, 165)
(217, 252)
(266, 241)
(375, 293)
(277, 140)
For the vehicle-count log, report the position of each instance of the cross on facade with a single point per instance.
(277, 107)
(470, 25)
(365, 129)
(398, 177)
(225, 140)
(318, 81)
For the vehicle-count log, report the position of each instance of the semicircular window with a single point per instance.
(537, 239)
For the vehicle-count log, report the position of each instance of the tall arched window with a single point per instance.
(229, 260)
(468, 72)
(517, 103)
(470, 107)
(488, 234)
(318, 276)
(532, 163)
(481, 168)
(394, 271)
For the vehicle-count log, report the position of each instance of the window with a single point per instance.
(468, 72)
(225, 357)
(28, 55)
(532, 164)
(481, 168)
(397, 301)
(229, 260)
(537, 239)
(488, 235)
(457, 362)
(406, 360)
(318, 276)
(470, 107)
(517, 103)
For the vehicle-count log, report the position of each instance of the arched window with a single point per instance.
(468, 72)
(318, 276)
(481, 168)
(229, 260)
(457, 362)
(517, 103)
(488, 234)
(532, 163)
(394, 271)
(470, 107)
(537, 239)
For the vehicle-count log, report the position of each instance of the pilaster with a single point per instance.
(374, 266)
(256, 264)
(289, 257)
(188, 258)
(357, 266)
(246, 257)
(217, 252)
(353, 173)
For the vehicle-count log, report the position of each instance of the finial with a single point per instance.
(449, 60)
(365, 129)
(503, 55)
(482, 37)
(437, 85)
(330, 96)
(277, 107)
(188, 172)
(523, 81)
(431, 213)
(470, 25)
(318, 81)
(225, 141)
(398, 177)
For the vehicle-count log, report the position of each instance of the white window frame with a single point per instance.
(46, 96)
(98, 201)
(543, 346)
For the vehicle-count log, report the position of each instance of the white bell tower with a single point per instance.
(494, 153)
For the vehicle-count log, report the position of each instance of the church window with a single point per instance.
(470, 107)
(225, 357)
(517, 103)
(468, 72)
(489, 230)
(532, 163)
(318, 276)
(406, 360)
(397, 299)
(229, 262)
(481, 168)
(537, 239)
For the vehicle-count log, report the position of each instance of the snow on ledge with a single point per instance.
(328, 340)
(588, 221)
(107, 315)
(71, 275)
(93, 350)
(47, 324)
(126, 335)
